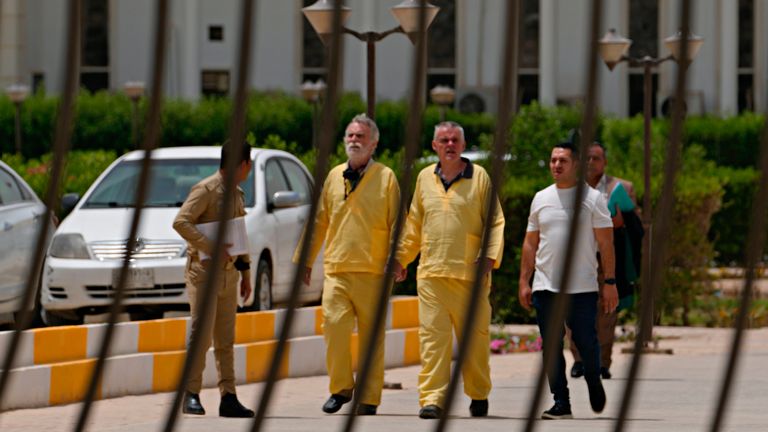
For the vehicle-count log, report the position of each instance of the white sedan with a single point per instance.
(86, 252)
(21, 213)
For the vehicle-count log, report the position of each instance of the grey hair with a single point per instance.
(448, 125)
(365, 120)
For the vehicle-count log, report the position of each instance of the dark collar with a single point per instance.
(466, 173)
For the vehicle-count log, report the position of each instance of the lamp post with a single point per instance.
(320, 15)
(134, 90)
(613, 49)
(443, 96)
(17, 93)
(312, 92)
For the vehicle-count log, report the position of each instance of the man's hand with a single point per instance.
(610, 298)
(524, 295)
(245, 287)
(399, 272)
(224, 254)
(487, 264)
(307, 275)
(618, 220)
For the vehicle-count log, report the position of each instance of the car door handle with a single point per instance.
(7, 226)
(302, 219)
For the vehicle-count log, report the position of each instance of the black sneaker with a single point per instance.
(478, 408)
(430, 412)
(231, 407)
(577, 370)
(558, 411)
(335, 402)
(366, 409)
(605, 373)
(596, 395)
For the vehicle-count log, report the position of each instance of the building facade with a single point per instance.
(466, 40)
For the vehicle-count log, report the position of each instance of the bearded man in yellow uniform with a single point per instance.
(355, 218)
(445, 224)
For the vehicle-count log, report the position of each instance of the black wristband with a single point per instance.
(242, 265)
(609, 281)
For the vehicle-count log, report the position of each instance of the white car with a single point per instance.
(21, 213)
(87, 249)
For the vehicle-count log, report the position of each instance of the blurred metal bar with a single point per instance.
(236, 139)
(412, 146)
(506, 110)
(662, 228)
(755, 246)
(327, 138)
(151, 139)
(551, 343)
(61, 145)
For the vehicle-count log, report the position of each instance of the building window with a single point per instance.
(215, 83)
(441, 46)
(746, 97)
(38, 82)
(94, 71)
(215, 33)
(528, 57)
(644, 32)
(313, 58)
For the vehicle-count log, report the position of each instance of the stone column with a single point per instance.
(728, 56)
(547, 53)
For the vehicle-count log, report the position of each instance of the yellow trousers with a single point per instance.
(221, 324)
(346, 297)
(442, 305)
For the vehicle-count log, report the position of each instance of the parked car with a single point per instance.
(21, 213)
(86, 252)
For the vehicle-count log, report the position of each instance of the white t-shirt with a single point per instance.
(551, 213)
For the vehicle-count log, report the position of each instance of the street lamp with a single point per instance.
(613, 50)
(17, 93)
(320, 15)
(312, 92)
(134, 90)
(443, 96)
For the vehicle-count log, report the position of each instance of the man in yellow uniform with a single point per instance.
(445, 224)
(201, 206)
(355, 217)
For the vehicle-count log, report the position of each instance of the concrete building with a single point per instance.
(729, 75)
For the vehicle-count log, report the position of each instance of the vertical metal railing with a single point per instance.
(327, 137)
(196, 345)
(61, 146)
(151, 139)
(663, 219)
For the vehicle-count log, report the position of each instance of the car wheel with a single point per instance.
(60, 318)
(262, 292)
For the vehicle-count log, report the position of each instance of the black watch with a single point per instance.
(609, 281)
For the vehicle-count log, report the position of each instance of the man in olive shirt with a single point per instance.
(201, 206)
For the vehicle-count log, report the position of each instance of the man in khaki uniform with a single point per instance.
(201, 206)
(446, 224)
(355, 218)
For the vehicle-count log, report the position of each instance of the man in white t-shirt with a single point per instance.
(544, 251)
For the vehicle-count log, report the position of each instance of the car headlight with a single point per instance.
(69, 246)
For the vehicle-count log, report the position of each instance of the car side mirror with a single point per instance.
(69, 201)
(286, 199)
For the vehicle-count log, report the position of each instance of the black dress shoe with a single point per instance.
(231, 407)
(596, 395)
(335, 402)
(430, 412)
(478, 408)
(577, 370)
(366, 409)
(192, 404)
(605, 373)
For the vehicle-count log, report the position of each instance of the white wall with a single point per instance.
(46, 32)
(131, 42)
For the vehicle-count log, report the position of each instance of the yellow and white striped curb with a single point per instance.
(64, 344)
(142, 373)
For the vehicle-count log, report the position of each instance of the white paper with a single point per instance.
(237, 236)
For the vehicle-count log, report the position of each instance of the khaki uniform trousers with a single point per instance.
(347, 296)
(606, 329)
(221, 324)
(442, 305)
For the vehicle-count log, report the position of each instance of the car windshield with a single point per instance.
(170, 182)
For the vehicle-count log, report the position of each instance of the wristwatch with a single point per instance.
(610, 281)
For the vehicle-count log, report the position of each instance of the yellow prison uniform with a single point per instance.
(202, 206)
(356, 226)
(446, 228)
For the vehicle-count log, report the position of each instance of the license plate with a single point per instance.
(137, 278)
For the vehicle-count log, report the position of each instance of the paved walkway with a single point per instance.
(676, 393)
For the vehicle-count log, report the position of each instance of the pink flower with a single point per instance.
(498, 345)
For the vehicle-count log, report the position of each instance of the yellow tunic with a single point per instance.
(357, 225)
(447, 226)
